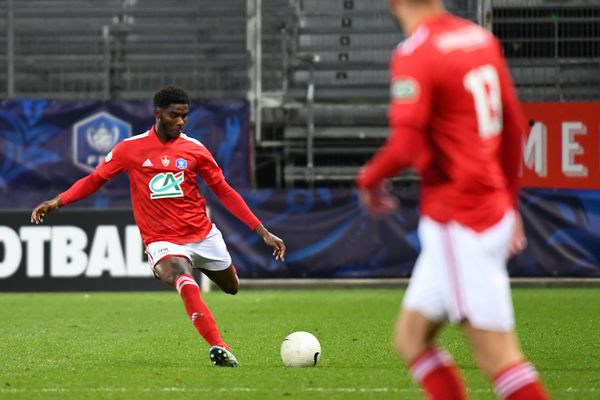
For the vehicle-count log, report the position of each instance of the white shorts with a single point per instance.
(461, 274)
(210, 253)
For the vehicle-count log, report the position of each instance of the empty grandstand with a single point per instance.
(314, 72)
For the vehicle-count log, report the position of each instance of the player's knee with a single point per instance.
(231, 288)
(406, 343)
(494, 351)
(233, 283)
(407, 349)
(166, 276)
(491, 361)
(169, 269)
(410, 339)
(484, 361)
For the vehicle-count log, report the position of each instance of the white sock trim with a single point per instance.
(429, 362)
(183, 280)
(514, 379)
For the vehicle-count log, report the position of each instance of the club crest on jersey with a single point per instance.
(181, 163)
(165, 160)
(405, 89)
(165, 185)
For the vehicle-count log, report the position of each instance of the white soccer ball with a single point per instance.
(300, 349)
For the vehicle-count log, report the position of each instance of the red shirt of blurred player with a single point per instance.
(454, 116)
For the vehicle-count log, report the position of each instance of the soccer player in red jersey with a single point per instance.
(455, 117)
(163, 164)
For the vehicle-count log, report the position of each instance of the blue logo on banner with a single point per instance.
(95, 136)
(181, 163)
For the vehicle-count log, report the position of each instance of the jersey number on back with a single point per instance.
(484, 86)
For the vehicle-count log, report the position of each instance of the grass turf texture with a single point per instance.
(142, 346)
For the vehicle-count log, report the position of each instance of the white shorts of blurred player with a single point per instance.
(461, 275)
(210, 253)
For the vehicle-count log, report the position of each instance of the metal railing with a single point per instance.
(553, 47)
(121, 49)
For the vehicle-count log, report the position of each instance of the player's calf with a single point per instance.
(227, 279)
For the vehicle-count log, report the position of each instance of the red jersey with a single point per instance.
(455, 117)
(165, 196)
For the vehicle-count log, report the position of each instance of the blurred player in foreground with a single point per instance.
(455, 117)
(163, 164)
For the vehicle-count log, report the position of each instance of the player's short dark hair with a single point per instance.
(170, 95)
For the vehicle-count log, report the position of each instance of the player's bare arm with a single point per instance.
(46, 207)
(272, 241)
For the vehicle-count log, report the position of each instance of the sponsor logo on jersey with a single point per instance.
(147, 163)
(405, 89)
(165, 160)
(94, 137)
(166, 185)
(181, 163)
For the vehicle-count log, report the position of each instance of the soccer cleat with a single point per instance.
(221, 357)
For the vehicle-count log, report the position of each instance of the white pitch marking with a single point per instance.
(247, 389)
(123, 390)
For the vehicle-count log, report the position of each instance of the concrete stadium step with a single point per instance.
(344, 23)
(315, 41)
(339, 132)
(340, 58)
(338, 114)
(343, 6)
(344, 77)
(343, 94)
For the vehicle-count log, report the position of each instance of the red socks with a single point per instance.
(438, 375)
(519, 382)
(198, 311)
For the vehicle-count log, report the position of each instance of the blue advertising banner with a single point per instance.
(563, 232)
(329, 236)
(45, 146)
(326, 232)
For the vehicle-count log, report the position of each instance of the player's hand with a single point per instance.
(518, 241)
(272, 241)
(48, 206)
(378, 201)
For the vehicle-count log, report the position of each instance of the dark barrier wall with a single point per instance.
(47, 145)
(74, 250)
(327, 234)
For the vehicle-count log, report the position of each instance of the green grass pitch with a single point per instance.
(142, 346)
